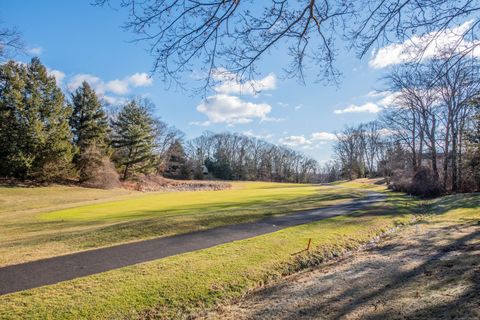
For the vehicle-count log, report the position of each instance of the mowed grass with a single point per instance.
(48, 221)
(16, 200)
(182, 285)
(178, 286)
(375, 184)
(244, 195)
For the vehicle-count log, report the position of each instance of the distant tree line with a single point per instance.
(47, 136)
(427, 141)
(233, 156)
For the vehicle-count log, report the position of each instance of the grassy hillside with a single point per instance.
(48, 221)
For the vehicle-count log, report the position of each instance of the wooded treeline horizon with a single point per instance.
(426, 142)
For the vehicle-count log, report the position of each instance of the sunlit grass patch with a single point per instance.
(43, 222)
(376, 184)
(456, 208)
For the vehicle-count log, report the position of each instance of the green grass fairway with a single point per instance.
(176, 286)
(47, 221)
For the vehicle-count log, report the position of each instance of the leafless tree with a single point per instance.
(431, 112)
(10, 42)
(165, 137)
(358, 150)
(459, 84)
(349, 150)
(238, 157)
(415, 115)
(329, 172)
(373, 139)
(232, 36)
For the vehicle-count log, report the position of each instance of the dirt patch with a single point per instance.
(158, 183)
(426, 272)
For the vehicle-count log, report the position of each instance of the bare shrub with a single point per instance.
(400, 181)
(425, 184)
(421, 183)
(97, 171)
(470, 180)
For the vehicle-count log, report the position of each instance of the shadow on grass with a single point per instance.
(458, 201)
(405, 204)
(453, 263)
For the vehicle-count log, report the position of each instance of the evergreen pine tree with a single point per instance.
(14, 162)
(90, 128)
(36, 140)
(176, 166)
(88, 120)
(134, 139)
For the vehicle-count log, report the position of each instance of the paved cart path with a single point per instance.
(49, 271)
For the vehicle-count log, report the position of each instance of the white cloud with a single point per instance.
(229, 84)
(427, 46)
(97, 84)
(225, 106)
(323, 136)
(384, 132)
(384, 98)
(222, 108)
(314, 141)
(35, 51)
(114, 100)
(250, 133)
(286, 105)
(389, 98)
(369, 107)
(375, 94)
(200, 123)
(272, 119)
(295, 141)
(116, 86)
(59, 76)
(140, 80)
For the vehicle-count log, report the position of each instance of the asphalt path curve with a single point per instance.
(67, 267)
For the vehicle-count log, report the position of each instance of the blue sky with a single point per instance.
(77, 41)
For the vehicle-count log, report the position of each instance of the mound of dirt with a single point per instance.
(158, 183)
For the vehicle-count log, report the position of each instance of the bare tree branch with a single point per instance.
(234, 35)
(10, 42)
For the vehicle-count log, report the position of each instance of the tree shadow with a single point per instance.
(450, 262)
(458, 201)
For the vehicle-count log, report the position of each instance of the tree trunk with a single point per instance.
(460, 153)
(420, 148)
(454, 159)
(446, 153)
(414, 155)
(434, 149)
